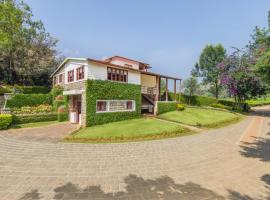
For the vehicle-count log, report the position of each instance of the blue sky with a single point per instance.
(169, 35)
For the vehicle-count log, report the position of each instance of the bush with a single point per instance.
(20, 100)
(58, 103)
(4, 90)
(180, 107)
(44, 108)
(197, 100)
(30, 118)
(108, 90)
(62, 114)
(34, 89)
(163, 107)
(5, 120)
(56, 91)
(221, 106)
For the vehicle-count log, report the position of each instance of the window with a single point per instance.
(101, 105)
(80, 73)
(60, 78)
(127, 65)
(117, 74)
(54, 80)
(115, 106)
(71, 76)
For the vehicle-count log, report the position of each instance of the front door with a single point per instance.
(79, 109)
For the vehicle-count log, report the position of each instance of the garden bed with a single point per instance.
(128, 130)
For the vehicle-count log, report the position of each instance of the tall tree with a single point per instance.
(27, 51)
(207, 67)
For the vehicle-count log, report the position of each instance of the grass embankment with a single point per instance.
(34, 124)
(129, 130)
(201, 117)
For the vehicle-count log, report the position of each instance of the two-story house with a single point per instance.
(73, 74)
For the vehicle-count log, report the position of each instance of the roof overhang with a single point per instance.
(161, 75)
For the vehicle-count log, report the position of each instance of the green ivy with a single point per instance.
(163, 107)
(108, 90)
(20, 100)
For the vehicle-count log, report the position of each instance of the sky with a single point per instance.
(169, 35)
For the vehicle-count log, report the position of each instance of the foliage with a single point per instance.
(221, 106)
(108, 90)
(238, 76)
(36, 89)
(163, 107)
(56, 91)
(190, 86)
(62, 114)
(129, 130)
(43, 108)
(207, 67)
(20, 100)
(27, 51)
(259, 101)
(5, 120)
(4, 90)
(197, 116)
(180, 107)
(30, 118)
(197, 100)
(58, 103)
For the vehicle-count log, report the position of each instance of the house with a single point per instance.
(116, 88)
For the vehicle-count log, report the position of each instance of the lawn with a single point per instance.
(129, 130)
(259, 101)
(34, 124)
(203, 117)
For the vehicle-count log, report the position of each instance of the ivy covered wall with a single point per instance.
(108, 90)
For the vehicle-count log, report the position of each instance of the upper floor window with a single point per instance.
(80, 73)
(114, 74)
(128, 65)
(70, 75)
(60, 78)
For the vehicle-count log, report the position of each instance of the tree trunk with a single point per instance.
(216, 90)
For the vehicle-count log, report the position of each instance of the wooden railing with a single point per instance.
(149, 90)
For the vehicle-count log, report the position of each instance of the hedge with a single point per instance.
(108, 90)
(35, 89)
(57, 90)
(5, 120)
(58, 103)
(20, 100)
(22, 119)
(62, 116)
(163, 107)
(4, 90)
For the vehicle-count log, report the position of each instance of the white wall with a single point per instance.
(99, 72)
(73, 65)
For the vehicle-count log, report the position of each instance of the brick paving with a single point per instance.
(209, 165)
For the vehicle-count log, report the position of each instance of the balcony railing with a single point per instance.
(149, 90)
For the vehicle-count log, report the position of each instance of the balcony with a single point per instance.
(149, 90)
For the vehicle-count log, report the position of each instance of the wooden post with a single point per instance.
(175, 89)
(157, 88)
(166, 89)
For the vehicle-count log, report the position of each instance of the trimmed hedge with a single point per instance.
(108, 90)
(20, 100)
(36, 89)
(163, 107)
(61, 117)
(22, 119)
(5, 120)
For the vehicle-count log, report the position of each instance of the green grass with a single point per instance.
(129, 130)
(259, 101)
(201, 117)
(34, 124)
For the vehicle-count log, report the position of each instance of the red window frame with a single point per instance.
(118, 75)
(101, 105)
(80, 73)
(71, 75)
(129, 105)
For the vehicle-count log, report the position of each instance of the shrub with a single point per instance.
(20, 100)
(180, 107)
(29, 118)
(62, 114)
(4, 90)
(44, 108)
(108, 90)
(56, 91)
(5, 120)
(163, 107)
(197, 100)
(34, 89)
(58, 103)
(59, 98)
(221, 106)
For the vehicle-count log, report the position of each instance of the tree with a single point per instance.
(239, 77)
(207, 68)
(190, 86)
(27, 51)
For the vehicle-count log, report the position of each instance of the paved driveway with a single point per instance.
(209, 165)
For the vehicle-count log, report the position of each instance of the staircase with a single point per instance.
(148, 103)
